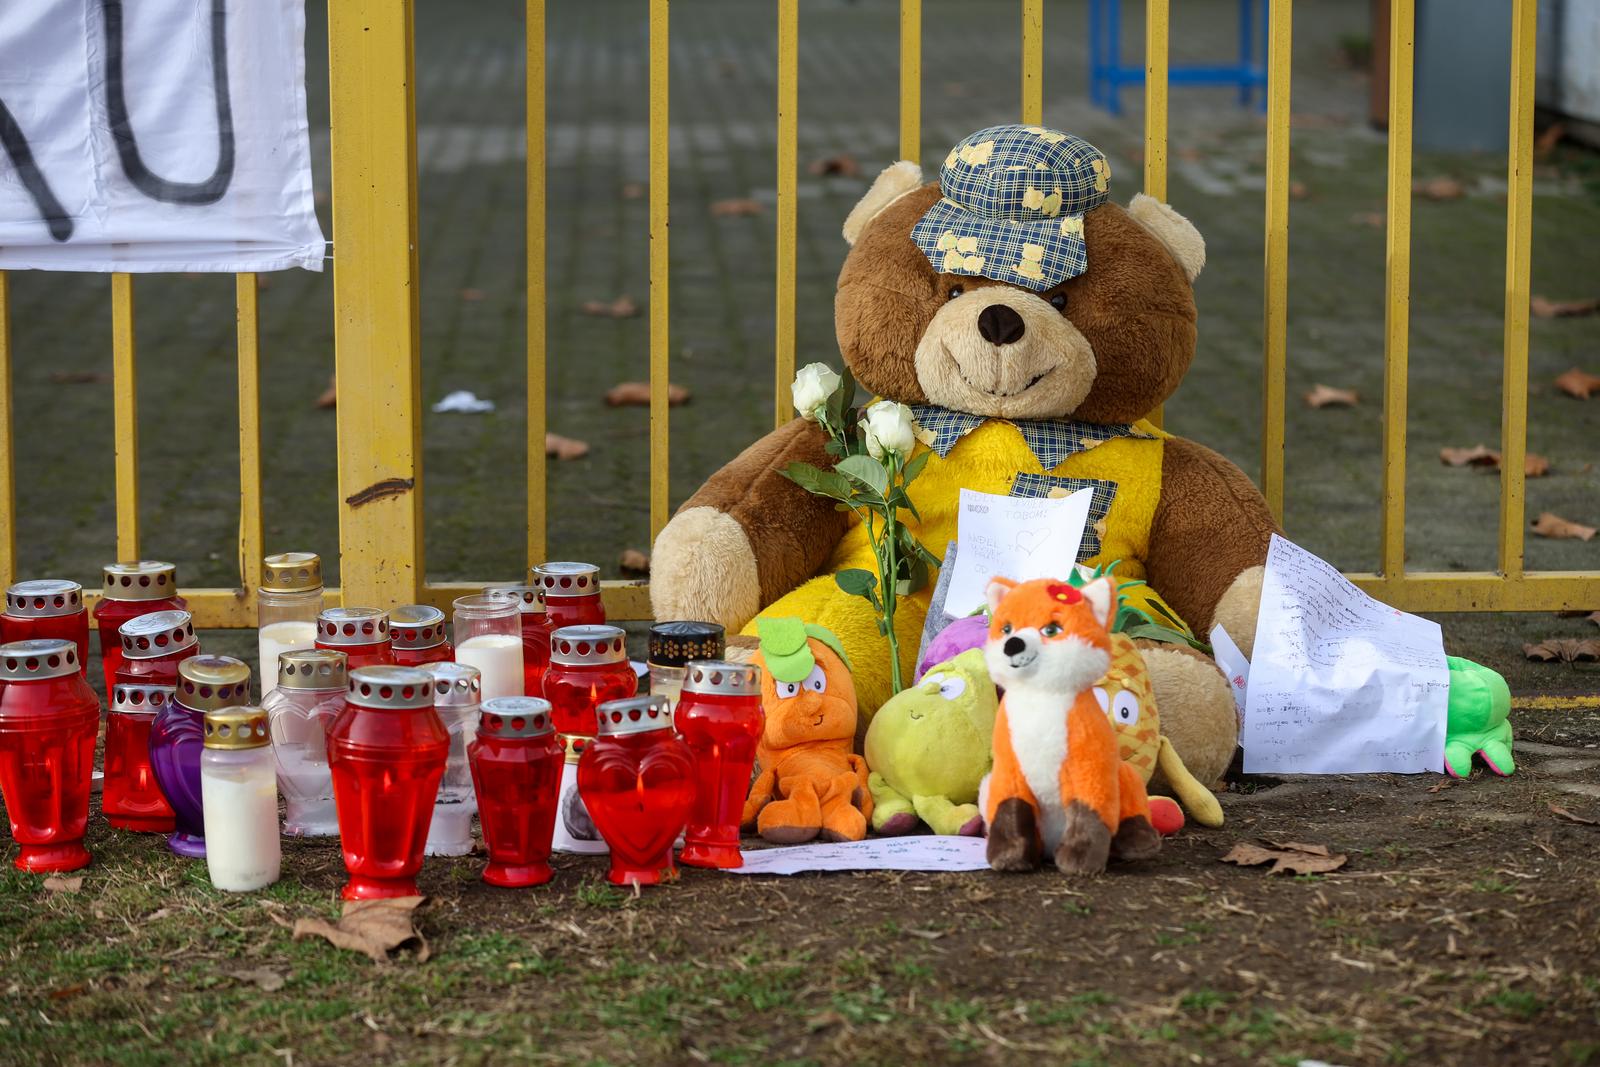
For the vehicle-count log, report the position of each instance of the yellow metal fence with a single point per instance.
(373, 123)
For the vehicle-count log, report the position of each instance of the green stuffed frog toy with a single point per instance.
(1477, 719)
(929, 748)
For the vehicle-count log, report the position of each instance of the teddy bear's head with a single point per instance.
(1013, 288)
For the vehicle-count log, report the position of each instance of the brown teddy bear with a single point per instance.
(1031, 324)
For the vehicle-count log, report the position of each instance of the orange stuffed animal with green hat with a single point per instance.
(810, 783)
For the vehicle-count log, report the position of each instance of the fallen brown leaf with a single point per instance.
(471, 296)
(1476, 456)
(1535, 465)
(564, 448)
(1562, 813)
(264, 978)
(1324, 396)
(1441, 785)
(1293, 858)
(633, 190)
(622, 307)
(1553, 526)
(843, 164)
(68, 992)
(736, 208)
(637, 394)
(373, 927)
(1298, 191)
(330, 395)
(1439, 188)
(57, 884)
(1578, 383)
(1368, 218)
(1548, 140)
(634, 562)
(1563, 650)
(78, 377)
(1563, 309)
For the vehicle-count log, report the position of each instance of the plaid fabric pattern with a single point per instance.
(1050, 440)
(1013, 206)
(1041, 485)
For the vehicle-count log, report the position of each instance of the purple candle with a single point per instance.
(177, 738)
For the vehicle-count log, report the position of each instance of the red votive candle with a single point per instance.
(362, 634)
(637, 781)
(48, 720)
(152, 647)
(516, 771)
(588, 666)
(720, 718)
(47, 608)
(571, 594)
(416, 635)
(128, 590)
(130, 796)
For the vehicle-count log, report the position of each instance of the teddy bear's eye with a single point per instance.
(787, 689)
(1006, 629)
(1059, 301)
(955, 291)
(817, 680)
(1050, 629)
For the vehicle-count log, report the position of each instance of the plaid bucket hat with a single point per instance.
(1013, 206)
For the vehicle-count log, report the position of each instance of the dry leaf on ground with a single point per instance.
(1439, 188)
(1292, 857)
(1441, 785)
(471, 296)
(1533, 464)
(1326, 396)
(622, 307)
(1368, 218)
(1298, 191)
(373, 927)
(1564, 650)
(737, 208)
(78, 377)
(1551, 525)
(1578, 383)
(330, 395)
(264, 978)
(564, 448)
(1548, 140)
(843, 164)
(637, 394)
(633, 190)
(1562, 813)
(1563, 309)
(57, 884)
(634, 562)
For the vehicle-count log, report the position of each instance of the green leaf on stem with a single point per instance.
(914, 467)
(856, 581)
(823, 483)
(867, 471)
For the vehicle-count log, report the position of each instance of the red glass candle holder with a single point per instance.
(128, 590)
(535, 637)
(571, 595)
(48, 720)
(516, 771)
(152, 647)
(130, 796)
(387, 751)
(362, 634)
(588, 666)
(47, 608)
(637, 780)
(720, 718)
(417, 636)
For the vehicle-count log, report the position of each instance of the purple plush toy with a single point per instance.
(970, 632)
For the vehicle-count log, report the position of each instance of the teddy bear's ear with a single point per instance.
(896, 181)
(1172, 230)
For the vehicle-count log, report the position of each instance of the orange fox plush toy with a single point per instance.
(1058, 782)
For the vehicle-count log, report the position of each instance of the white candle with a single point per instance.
(239, 790)
(282, 637)
(498, 658)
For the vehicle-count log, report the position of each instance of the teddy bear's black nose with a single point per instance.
(1000, 325)
(1013, 646)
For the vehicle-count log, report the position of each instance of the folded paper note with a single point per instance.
(917, 853)
(1020, 538)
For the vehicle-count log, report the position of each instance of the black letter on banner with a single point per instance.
(16, 146)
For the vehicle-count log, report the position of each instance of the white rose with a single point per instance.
(812, 387)
(889, 427)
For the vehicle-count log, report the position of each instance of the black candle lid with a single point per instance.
(675, 644)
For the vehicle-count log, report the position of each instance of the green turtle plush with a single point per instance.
(1477, 719)
(929, 748)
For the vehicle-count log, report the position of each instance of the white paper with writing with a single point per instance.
(1234, 667)
(917, 853)
(1021, 538)
(1340, 684)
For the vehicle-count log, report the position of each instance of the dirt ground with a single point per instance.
(1463, 930)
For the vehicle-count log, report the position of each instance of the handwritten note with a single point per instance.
(1234, 667)
(1021, 538)
(1340, 684)
(917, 853)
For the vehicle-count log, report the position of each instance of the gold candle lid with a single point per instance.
(140, 579)
(312, 668)
(291, 572)
(208, 683)
(236, 727)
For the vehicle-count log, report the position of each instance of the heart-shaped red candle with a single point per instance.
(637, 780)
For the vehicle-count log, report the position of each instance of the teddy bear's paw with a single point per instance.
(1136, 839)
(793, 820)
(842, 822)
(973, 827)
(1085, 842)
(1013, 837)
(901, 822)
(702, 567)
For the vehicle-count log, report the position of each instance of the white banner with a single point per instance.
(158, 135)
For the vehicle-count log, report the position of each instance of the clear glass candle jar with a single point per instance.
(128, 590)
(362, 634)
(48, 720)
(488, 634)
(516, 762)
(177, 737)
(457, 689)
(387, 750)
(720, 719)
(588, 666)
(417, 634)
(307, 699)
(152, 647)
(535, 638)
(287, 606)
(46, 608)
(673, 645)
(130, 797)
(637, 782)
(239, 788)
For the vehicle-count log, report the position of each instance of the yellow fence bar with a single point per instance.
(1519, 233)
(1033, 61)
(1484, 591)
(8, 485)
(375, 299)
(1275, 315)
(247, 302)
(911, 80)
(125, 402)
(1397, 287)
(537, 417)
(660, 69)
(1157, 27)
(788, 168)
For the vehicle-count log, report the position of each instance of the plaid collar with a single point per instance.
(1050, 440)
